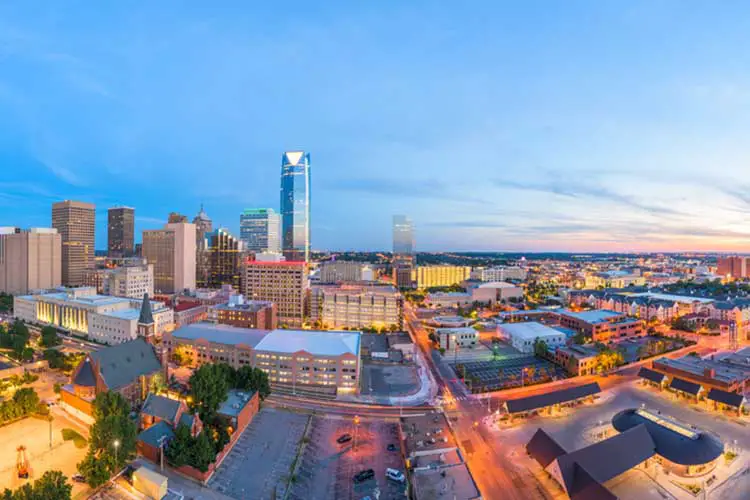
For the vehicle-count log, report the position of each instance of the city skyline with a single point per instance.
(529, 135)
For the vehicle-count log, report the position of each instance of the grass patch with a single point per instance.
(79, 441)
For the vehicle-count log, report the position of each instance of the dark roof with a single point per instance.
(607, 459)
(673, 446)
(685, 386)
(186, 419)
(146, 317)
(543, 448)
(651, 375)
(155, 433)
(727, 398)
(586, 487)
(159, 406)
(85, 376)
(121, 364)
(551, 398)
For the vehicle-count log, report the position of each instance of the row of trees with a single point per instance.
(24, 402)
(52, 485)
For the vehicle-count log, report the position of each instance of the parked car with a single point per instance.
(392, 447)
(344, 438)
(364, 475)
(395, 475)
(78, 478)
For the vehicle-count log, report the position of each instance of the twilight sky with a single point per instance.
(496, 125)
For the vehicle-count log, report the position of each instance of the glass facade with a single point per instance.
(295, 205)
(259, 230)
(403, 235)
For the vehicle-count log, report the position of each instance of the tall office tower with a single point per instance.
(295, 205)
(120, 232)
(283, 283)
(259, 230)
(403, 235)
(29, 260)
(176, 218)
(75, 221)
(172, 252)
(224, 258)
(203, 226)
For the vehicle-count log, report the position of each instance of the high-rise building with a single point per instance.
(224, 257)
(120, 232)
(295, 205)
(283, 283)
(403, 235)
(437, 276)
(259, 230)
(29, 260)
(734, 266)
(172, 252)
(203, 226)
(75, 221)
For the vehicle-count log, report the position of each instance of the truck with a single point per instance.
(150, 483)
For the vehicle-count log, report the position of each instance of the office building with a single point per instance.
(305, 360)
(522, 336)
(120, 232)
(260, 229)
(128, 281)
(203, 226)
(403, 235)
(356, 306)
(403, 271)
(223, 258)
(498, 273)
(258, 314)
(338, 271)
(29, 260)
(439, 276)
(283, 283)
(105, 319)
(75, 222)
(734, 267)
(295, 205)
(452, 339)
(172, 253)
(602, 325)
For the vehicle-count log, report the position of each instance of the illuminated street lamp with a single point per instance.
(116, 444)
(356, 429)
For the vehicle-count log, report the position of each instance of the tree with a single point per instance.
(252, 379)
(177, 451)
(52, 485)
(49, 337)
(209, 386)
(183, 355)
(540, 348)
(157, 384)
(580, 338)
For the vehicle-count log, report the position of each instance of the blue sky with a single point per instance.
(518, 126)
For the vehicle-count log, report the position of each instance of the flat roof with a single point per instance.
(683, 299)
(456, 329)
(595, 316)
(235, 402)
(220, 334)
(325, 343)
(449, 482)
(724, 371)
(498, 284)
(529, 330)
(551, 398)
(695, 447)
(425, 433)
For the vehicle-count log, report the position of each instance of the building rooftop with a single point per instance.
(456, 330)
(235, 402)
(445, 482)
(161, 407)
(498, 284)
(249, 306)
(682, 299)
(724, 370)
(593, 317)
(550, 398)
(156, 433)
(426, 433)
(121, 364)
(220, 334)
(325, 343)
(579, 351)
(529, 331)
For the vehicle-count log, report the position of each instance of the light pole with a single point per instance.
(356, 429)
(116, 444)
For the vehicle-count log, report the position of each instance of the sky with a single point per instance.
(495, 125)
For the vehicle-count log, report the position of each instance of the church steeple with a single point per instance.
(146, 327)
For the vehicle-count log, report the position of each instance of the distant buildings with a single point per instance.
(522, 336)
(457, 338)
(295, 205)
(337, 271)
(602, 325)
(615, 279)
(495, 292)
(203, 226)
(223, 258)
(128, 281)
(439, 276)
(260, 229)
(75, 222)
(356, 306)
(297, 359)
(120, 232)
(735, 267)
(281, 282)
(499, 273)
(256, 314)
(29, 260)
(403, 235)
(106, 319)
(172, 252)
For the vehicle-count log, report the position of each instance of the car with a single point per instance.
(392, 447)
(78, 478)
(363, 475)
(344, 438)
(395, 475)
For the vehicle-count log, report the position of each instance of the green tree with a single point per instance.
(96, 470)
(49, 337)
(203, 452)
(178, 449)
(52, 485)
(540, 348)
(252, 379)
(209, 386)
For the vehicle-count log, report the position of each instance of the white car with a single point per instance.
(395, 475)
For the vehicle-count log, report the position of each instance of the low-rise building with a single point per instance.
(457, 338)
(356, 306)
(522, 336)
(128, 281)
(729, 373)
(338, 271)
(577, 359)
(258, 314)
(602, 325)
(187, 312)
(324, 361)
(496, 292)
(448, 299)
(106, 319)
(499, 273)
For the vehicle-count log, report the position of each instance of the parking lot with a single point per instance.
(262, 459)
(386, 380)
(327, 468)
(492, 375)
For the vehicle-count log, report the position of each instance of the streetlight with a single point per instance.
(116, 444)
(356, 429)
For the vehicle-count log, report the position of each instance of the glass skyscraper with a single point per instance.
(259, 230)
(295, 205)
(403, 235)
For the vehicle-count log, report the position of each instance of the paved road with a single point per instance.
(344, 408)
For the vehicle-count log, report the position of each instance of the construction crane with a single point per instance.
(22, 464)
